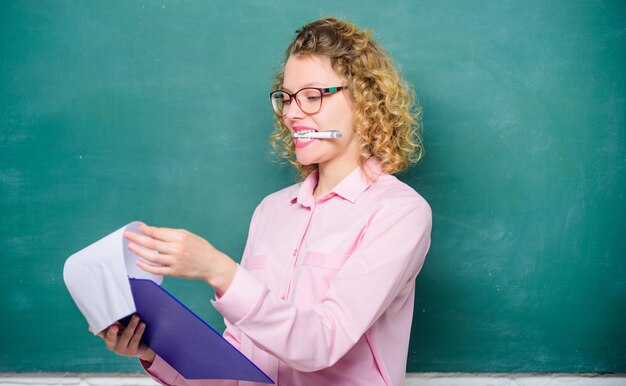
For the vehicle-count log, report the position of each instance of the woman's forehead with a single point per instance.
(309, 70)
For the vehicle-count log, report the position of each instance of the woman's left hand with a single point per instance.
(180, 253)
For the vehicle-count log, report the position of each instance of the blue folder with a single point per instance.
(185, 341)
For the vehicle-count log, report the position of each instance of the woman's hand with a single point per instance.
(177, 252)
(126, 341)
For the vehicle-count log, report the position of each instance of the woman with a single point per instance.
(324, 293)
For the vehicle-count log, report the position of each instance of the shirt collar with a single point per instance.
(350, 188)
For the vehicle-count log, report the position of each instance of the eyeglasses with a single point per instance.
(309, 99)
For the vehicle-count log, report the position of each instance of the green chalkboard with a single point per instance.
(158, 111)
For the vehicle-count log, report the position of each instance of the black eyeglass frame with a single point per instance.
(323, 91)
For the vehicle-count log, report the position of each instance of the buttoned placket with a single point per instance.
(293, 274)
(296, 261)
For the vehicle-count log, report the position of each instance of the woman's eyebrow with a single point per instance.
(310, 84)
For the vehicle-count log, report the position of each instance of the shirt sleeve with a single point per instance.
(389, 257)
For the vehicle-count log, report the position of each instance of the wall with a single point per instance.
(158, 111)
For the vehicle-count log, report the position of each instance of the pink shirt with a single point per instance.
(324, 294)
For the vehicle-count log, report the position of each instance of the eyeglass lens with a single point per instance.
(308, 99)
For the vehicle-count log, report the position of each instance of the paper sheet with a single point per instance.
(97, 279)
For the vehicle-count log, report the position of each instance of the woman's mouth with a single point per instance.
(304, 141)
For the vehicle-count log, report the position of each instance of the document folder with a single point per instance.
(107, 285)
(185, 341)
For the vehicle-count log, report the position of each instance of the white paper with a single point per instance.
(97, 279)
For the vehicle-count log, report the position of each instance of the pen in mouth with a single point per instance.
(327, 134)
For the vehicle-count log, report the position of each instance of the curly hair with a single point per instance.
(387, 122)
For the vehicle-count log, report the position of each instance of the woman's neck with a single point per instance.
(330, 174)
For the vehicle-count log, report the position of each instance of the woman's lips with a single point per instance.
(303, 142)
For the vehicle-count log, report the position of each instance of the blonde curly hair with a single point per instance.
(387, 122)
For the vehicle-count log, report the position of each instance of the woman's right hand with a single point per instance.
(126, 341)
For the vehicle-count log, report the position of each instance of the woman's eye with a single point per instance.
(314, 98)
(287, 101)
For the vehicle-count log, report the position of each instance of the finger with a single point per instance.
(163, 234)
(148, 242)
(151, 256)
(100, 334)
(91, 330)
(110, 338)
(156, 270)
(136, 338)
(128, 333)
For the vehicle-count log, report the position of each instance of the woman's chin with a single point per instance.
(305, 161)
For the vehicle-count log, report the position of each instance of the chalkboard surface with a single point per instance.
(158, 111)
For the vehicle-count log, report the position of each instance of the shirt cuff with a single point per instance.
(241, 298)
(161, 371)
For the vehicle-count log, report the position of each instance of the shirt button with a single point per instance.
(295, 251)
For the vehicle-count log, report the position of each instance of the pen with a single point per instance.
(319, 134)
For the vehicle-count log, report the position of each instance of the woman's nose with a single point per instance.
(292, 111)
